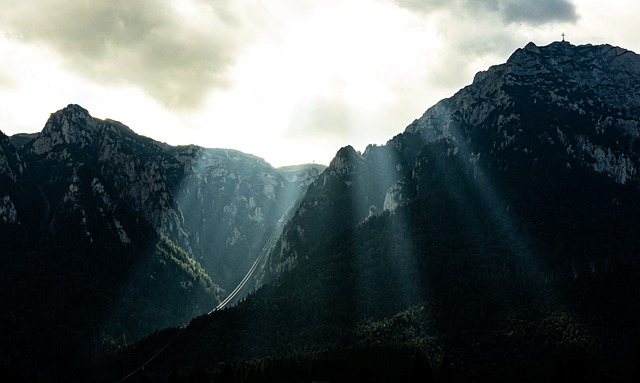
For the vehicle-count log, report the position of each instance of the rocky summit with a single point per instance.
(583, 100)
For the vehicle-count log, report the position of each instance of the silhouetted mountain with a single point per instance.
(108, 236)
(496, 239)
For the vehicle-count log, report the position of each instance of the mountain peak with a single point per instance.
(611, 72)
(603, 75)
(345, 161)
(72, 113)
(558, 53)
(70, 125)
(347, 151)
(541, 91)
(73, 108)
(73, 125)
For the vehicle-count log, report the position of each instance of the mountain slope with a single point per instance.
(498, 232)
(108, 236)
(578, 104)
(11, 169)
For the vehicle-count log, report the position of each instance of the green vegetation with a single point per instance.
(82, 300)
(187, 264)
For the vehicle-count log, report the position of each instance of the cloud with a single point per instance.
(176, 52)
(179, 51)
(328, 72)
(477, 34)
(425, 5)
(321, 116)
(538, 12)
(6, 82)
(522, 11)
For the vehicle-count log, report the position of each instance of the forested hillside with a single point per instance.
(495, 239)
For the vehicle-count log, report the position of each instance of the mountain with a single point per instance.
(495, 239)
(580, 103)
(11, 169)
(109, 235)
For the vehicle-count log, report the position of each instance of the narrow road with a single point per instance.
(277, 230)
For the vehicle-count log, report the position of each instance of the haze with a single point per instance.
(290, 81)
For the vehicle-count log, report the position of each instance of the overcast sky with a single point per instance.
(291, 81)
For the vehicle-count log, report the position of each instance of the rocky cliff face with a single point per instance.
(125, 234)
(354, 187)
(19, 200)
(216, 204)
(579, 100)
(124, 168)
(11, 169)
(230, 203)
(553, 106)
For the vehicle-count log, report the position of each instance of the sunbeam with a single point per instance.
(398, 287)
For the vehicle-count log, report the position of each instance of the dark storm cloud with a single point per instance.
(144, 43)
(524, 11)
(425, 5)
(538, 12)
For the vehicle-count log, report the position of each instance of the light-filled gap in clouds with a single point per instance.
(288, 81)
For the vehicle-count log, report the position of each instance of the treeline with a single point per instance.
(66, 307)
(386, 363)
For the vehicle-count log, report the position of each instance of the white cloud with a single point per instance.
(290, 81)
(175, 51)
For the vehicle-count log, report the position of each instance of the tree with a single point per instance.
(420, 369)
(446, 370)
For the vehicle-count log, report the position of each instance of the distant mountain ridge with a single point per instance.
(496, 237)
